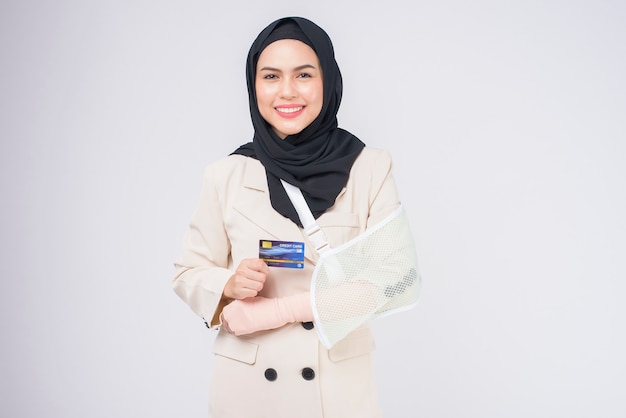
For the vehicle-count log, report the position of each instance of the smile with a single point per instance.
(289, 109)
(290, 112)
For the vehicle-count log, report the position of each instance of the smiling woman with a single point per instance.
(272, 358)
(289, 87)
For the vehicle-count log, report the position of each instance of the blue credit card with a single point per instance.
(282, 253)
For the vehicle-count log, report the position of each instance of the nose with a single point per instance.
(287, 89)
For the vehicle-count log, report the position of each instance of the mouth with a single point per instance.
(289, 112)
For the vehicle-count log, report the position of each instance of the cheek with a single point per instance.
(264, 102)
(261, 94)
(316, 95)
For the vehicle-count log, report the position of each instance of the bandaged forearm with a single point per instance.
(341, 308)
(369, 276)
(250, 315)
(359, 299)
(347, 300)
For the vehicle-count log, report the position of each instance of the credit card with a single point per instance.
(282, 253)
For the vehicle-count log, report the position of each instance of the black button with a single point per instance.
(308, 325)
(271, 375)
(308, 373)
(207, 325)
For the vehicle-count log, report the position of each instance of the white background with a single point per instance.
(506, 121)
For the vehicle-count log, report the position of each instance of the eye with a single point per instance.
(304, 75)
(270, 76)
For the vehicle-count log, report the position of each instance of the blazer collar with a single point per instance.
(254, 203)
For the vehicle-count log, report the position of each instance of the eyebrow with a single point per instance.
(299, 68)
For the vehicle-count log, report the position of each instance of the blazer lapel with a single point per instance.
(253, 202)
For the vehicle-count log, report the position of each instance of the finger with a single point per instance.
(254, 282)
(262, 266)
(256, 265)
(253, 270)
(249, 291)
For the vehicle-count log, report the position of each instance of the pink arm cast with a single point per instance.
(257, 313)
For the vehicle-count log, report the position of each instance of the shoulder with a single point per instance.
(373, 160)
(234, 171)
(371, 155)
(231, 165)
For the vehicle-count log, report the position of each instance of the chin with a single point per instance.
(287, 132)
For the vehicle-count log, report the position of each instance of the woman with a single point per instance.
(269, 361)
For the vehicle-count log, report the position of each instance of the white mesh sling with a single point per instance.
(372, 275)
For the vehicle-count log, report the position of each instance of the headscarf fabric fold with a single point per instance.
(319, 158)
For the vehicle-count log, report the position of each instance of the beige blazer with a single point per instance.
(284, 372)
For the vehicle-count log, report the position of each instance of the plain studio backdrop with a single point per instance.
(506, 122)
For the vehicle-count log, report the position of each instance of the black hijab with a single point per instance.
(319, 158)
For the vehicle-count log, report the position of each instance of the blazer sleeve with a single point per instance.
(203, 268)
(383, 198)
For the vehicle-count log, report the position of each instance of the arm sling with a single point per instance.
(370, 276)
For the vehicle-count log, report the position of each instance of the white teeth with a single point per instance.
(289, 109)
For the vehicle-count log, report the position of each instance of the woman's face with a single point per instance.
(289, 87)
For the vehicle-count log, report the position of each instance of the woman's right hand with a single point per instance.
(248, 279)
